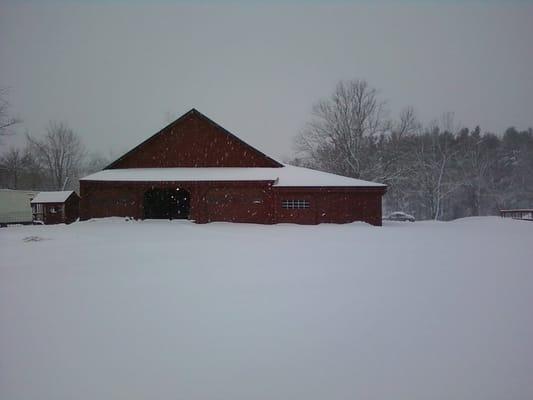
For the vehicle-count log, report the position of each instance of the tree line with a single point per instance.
(54, 161)
(440, 170)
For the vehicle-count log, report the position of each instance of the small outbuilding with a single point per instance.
(195, 169)
(56, 207)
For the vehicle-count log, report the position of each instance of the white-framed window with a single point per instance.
(295, 204)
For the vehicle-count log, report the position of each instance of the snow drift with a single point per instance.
(111, 309)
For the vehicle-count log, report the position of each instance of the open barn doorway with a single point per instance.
(166, 204)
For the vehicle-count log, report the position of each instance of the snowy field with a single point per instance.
(112, 309)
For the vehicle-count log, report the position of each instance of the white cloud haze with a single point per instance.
(115, 71)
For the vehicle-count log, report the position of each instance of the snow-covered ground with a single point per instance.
(112, 309)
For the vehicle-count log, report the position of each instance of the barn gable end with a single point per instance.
(193, 140)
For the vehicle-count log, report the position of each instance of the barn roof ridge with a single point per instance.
(206, 118)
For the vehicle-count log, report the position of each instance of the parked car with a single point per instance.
(400, 216)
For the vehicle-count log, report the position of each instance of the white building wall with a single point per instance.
(15, 205)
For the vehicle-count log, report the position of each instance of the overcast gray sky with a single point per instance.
(115, 70)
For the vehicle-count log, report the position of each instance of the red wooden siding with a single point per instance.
(193, 141)
(254, 202)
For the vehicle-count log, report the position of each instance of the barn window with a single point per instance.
(295, 204)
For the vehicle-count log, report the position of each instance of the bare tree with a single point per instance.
(342, 129)
(408, 124)
(434, 156)
(95, 162)
(12, 162)
(6, 121)
(477, 160)
(60, 152)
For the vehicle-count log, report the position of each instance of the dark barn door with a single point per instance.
(166, 204)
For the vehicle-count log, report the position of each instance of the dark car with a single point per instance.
(400, 216)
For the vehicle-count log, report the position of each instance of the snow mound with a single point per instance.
(112, 309)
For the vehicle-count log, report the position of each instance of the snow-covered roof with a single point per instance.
(286, 176)
(52, 197)
(298, 176)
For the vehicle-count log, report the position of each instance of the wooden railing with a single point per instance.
(523, 213)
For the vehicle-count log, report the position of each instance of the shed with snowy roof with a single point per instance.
(195, 169)
(60, 207)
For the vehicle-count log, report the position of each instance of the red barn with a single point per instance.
(195, 169)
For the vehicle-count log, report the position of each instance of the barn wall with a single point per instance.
(52, 218)
(194, 141)
(101, 199)
(209, 201)
(239, 204)
(254, 202)
(72, 208)
(330, 205)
